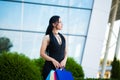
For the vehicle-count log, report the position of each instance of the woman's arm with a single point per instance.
(45, 43)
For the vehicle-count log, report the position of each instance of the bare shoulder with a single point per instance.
(46, 38)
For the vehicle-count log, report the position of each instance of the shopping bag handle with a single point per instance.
(60, 69)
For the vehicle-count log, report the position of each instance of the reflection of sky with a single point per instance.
(74, 3)
(33, 14)
(10, 15)
(35, 18)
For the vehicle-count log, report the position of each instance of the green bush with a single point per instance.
(115, 72)
(71, 66)
(40, 63)
(14, 66)
(75, 68)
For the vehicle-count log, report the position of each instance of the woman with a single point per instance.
(53, 48)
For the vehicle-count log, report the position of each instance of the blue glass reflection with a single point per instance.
(73, 3)
(32, 17)
(10, 15)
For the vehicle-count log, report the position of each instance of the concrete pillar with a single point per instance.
(117, 45)
(109, 39)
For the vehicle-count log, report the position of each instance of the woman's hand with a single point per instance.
(56, 63)
(62, 64)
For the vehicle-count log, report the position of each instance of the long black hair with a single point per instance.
(52, 20)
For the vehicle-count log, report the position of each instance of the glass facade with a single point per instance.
(24, 22)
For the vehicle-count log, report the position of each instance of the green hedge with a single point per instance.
(40, 63)
(115, 72)
(75, 68)
(14, 66)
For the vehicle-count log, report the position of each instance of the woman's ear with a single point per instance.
(54, 24)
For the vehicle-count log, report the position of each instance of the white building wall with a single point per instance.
(95, 38)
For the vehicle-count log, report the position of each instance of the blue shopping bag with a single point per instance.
(62, 74)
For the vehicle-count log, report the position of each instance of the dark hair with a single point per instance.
(52, 20)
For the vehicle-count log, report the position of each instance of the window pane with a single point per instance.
(10, 15)
(83, 3)
(53, 2)
(78, 21)
(26, 43)
(72, 3)
(75, 47)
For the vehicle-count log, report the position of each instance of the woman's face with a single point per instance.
(58, 25)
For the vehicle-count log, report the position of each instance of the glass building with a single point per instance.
(24, 22)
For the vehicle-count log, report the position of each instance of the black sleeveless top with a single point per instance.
(54, 50)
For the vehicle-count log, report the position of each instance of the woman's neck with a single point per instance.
(55, 32)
